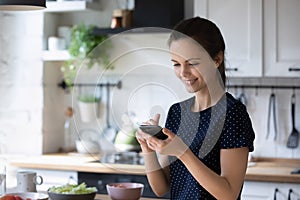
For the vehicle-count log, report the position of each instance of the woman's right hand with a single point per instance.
(143, 137)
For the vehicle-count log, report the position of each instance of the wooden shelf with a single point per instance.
(133, 30)
(71, 6)
(56, 55)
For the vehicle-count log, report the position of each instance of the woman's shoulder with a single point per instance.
(184, 103)
(232, 101)
(233, 104)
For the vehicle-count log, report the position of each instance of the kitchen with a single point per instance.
(263, 60)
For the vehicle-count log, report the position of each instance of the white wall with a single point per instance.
(21, 89)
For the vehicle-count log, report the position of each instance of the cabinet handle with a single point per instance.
(232, 69)
(100, 184)
(294, 69)
(275, 193)
(290, 193)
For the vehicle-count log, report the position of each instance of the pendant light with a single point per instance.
(22, 5)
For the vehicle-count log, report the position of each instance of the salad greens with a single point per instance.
(73, 189)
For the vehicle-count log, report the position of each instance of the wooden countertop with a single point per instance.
(260, 169)
(273, 170)
(74, 162)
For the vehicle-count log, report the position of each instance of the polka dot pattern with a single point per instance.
(226, 125)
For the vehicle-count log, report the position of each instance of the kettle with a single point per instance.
(126, 141)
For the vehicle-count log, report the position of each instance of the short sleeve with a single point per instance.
(238, 131)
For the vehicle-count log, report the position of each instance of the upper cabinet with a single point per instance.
(281, 38)
(262, 36)
(240, 22)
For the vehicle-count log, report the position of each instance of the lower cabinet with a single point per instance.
(100, 180)
(253, 190)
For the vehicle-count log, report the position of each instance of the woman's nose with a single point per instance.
(184, 71)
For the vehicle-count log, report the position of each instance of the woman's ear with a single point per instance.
(219, 58)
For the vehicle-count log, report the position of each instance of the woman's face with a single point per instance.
(192, 64)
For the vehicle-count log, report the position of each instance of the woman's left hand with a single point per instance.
(172, 146)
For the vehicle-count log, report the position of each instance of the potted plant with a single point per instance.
(84, 51)
(88, 107)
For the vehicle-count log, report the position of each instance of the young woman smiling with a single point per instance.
(209, 135)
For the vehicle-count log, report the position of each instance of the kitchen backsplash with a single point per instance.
(32, 106)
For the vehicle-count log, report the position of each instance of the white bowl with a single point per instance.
(125, 191)
(86, 146)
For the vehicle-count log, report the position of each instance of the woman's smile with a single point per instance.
(190, 82)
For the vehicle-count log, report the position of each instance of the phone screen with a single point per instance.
(154, 130)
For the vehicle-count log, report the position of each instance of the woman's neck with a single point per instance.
(207, 97)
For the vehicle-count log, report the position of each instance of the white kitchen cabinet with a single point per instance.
(253, 190)
(240, 22)
(281, 38)
(262, 36)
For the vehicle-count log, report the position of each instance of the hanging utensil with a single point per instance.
(110, 132)
(242, 97)
(293, 139)
(272, 109)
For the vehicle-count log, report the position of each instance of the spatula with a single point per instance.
(293, 139)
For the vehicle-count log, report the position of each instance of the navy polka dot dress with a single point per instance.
(223, 126)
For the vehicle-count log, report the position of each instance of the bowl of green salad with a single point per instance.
(72, 192)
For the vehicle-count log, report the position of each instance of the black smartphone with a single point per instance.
(154, 130)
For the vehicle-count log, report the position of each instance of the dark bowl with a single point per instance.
(58, 196)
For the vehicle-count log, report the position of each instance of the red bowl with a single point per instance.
(125, 191)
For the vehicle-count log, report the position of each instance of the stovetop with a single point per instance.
(129, 157)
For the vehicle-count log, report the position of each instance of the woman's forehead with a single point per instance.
(186, 48)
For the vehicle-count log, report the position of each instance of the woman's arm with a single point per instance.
(226, 186)
(158, 176)
(157, 169)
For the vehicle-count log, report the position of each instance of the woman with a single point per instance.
(210, 134)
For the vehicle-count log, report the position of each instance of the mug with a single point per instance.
(56, 43)
(27, 181)
(2, 178)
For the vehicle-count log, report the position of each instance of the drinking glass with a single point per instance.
(2, 177)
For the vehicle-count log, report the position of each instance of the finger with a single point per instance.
(141, 134)
(169, 133)
(156, 118)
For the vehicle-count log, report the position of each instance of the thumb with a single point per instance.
(167, 132)
(156, 118)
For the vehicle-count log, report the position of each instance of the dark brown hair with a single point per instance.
(206, 33)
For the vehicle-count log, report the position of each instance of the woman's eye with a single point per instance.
(193, 64)
(176, 65)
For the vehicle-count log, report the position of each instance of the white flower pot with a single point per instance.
(88, 111)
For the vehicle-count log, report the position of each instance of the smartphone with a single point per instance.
(154, 130)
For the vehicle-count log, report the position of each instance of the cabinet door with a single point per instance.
(253, 190)
(240, 22)
(257, 191)
(281, 36)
